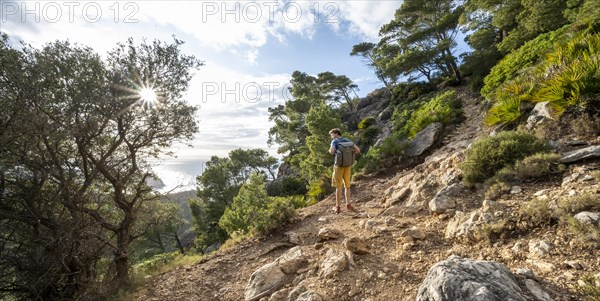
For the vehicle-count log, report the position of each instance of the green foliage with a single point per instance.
(154, 263)
(590, 290)
(566, 76)
(574, 69)
(382, 157)
(218, 185)
(507, 108)
(541, 212)
(404, 112)
(367, 131)
(445, 107)
(253, 211)
(496, 190)
(75, 148)
(525, 56)
(537, 166)
(419, 41)
(489, 155)
(317, 160)
(287, 186)
(367, 122)
(320, 188)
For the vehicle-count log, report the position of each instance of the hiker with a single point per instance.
(344, 150)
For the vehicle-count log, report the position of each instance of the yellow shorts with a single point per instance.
(341, 177)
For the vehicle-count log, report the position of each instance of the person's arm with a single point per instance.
(356, 150)
(332, 147)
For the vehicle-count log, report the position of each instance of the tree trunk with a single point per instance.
(179, 245)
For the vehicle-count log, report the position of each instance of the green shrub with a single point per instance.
(496, 190)
(156, 262)
(515, 62)
(537, 166)
(367, 122)
(384, 156)
(538, 212)
(590, 290)
(491, 154)
(253, 211)
(567, 75)
(319, 189)
(445, 107)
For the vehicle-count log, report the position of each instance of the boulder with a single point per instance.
(398, 196)
(539, 114)
(539, 249)
(461, 279)
(310, 296)
(356, 245)
(581, 154)
(537, 290)
(328, 234)
(444, 199)
(590, 218)
(414, 233)
(292, 260)
(424, 140)
(465, 225)
(334, 262)
(264, 282)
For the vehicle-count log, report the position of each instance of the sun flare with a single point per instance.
(148, 96)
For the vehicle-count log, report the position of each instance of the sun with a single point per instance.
(148, 96)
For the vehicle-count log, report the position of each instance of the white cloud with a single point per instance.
(365, 18)
(251, 56)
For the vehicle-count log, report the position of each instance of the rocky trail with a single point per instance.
(403, 225)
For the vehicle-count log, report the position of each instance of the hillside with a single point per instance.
(384, 250)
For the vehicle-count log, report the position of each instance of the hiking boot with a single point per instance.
(349, 207)
(337, 210)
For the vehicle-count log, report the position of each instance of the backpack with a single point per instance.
(344, 155)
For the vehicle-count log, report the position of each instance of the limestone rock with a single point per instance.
(328, 234)
(537, 290)
(310, 296)
(539, 114)
(264, 281)
(465, 225)
(444, 199)
(334, 262)
(424, 140)
(414, 233)
(292, 260)
(581, 154)
(461, 279)
(356, 245)
(297, 291)
(399, 196)
(280, 295)
(590, 218)
(539, 249)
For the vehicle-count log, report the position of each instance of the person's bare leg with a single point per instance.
(338, 196)
(347, 196)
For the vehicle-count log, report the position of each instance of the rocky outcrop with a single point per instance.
(590, 218)
(540, 113)
(424, 140)
(581, 154)
(461, 279)
(445, 198)
(272, 276)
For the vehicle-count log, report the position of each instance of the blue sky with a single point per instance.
(258, 50)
